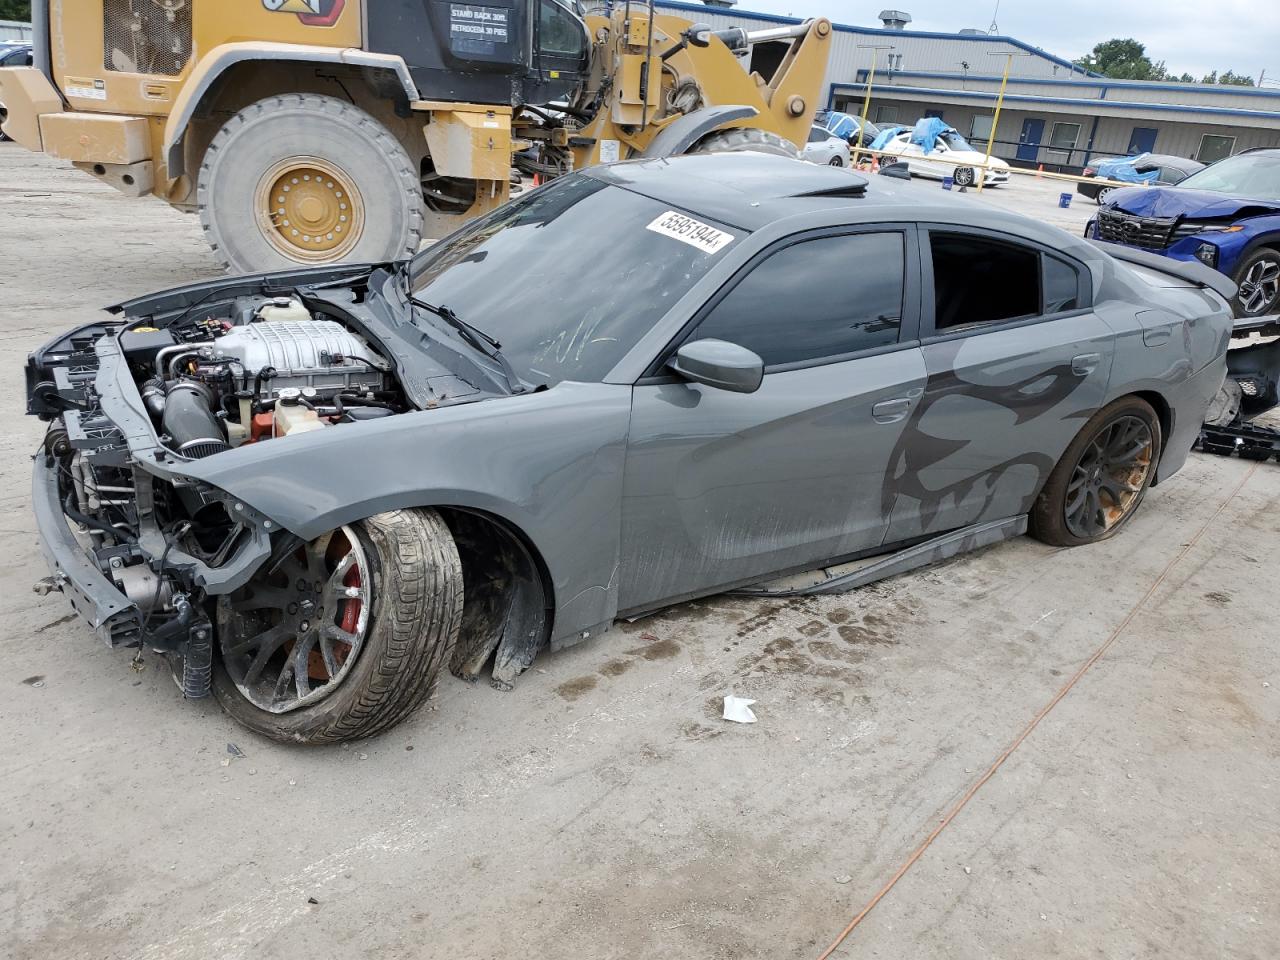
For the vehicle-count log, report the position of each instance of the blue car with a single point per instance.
(1227, 217)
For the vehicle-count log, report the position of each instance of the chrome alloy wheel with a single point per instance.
(1260, 287)
(292, 635)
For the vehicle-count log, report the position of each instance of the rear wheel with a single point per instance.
(1104, 196)
(307, 179)
(1258, 280)
(835, 162)
(347, 636)
(1102, 476)
(746, 140)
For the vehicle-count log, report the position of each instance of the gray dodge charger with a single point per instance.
(638, 384)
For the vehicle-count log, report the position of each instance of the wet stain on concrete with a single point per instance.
(578, 687)
(813, 628)
(695, 732)
(616, 667)
(828, 650)
(865, 635)
(1220, 597)
(657, 650)
(839, 615)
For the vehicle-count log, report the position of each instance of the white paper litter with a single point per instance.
(738, 710)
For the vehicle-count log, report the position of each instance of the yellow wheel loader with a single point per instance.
(318, 131)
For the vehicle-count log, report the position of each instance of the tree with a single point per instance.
(1122, 60)
(15, 10)
(1127, 60)
(1229, 78)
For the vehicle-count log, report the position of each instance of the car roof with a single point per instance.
(1169, 160)
(751, 191)
(746, 190)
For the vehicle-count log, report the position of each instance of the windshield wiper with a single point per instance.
(476, 337)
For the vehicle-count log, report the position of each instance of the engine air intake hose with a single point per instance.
(190, 423)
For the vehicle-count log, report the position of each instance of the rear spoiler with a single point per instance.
(1192, 272)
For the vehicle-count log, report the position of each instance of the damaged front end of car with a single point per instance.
(140, 547)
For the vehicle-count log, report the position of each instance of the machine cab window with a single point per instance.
(561, 39)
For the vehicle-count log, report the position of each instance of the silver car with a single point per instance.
(639, 384)
(825, 147)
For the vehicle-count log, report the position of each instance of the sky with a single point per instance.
(1192, 35)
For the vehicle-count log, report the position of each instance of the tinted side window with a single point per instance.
(977, 280)
(815, 299)
(1061, 286)
(818, 135)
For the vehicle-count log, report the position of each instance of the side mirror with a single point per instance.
(719, 364)
(698, 35)
(899, 170)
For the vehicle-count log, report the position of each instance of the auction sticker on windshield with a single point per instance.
(693, 232)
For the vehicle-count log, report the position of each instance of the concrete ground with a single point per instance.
(603, 809)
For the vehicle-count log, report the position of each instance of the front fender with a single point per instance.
(221, 58)
(549, 463)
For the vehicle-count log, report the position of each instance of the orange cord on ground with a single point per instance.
(1026, 731)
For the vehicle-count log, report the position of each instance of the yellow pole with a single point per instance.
(866, 105)
(995, 121)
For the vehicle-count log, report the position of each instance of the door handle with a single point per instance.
(1085, 363)
(891, 411)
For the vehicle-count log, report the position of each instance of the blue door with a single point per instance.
(1029, 142)
(1142, 141)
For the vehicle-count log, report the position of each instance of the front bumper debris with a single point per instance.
(115, 620)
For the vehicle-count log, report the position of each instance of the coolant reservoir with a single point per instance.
(282, 309)
(292, 415)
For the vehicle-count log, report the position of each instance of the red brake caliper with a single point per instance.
(350, 613)
(348, 617)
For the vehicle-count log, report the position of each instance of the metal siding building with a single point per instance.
(1054, 112)
(13, 31)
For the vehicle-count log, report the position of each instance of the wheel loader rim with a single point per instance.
(291, 637)
(309, 209)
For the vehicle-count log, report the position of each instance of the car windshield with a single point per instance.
(570, 276)
(1253, 175)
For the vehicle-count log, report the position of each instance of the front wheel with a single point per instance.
(307, 179)
(1258, 283)
(964, 177)
(1102, 477)
(347, 635)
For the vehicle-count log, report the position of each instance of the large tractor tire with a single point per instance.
(347, 636)
(746, 140)
(307, 179)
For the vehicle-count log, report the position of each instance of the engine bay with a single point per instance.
(269, 368)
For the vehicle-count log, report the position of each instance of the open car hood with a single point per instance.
(1197, 204)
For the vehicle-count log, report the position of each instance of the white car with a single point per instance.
(825, 147)
(947, 159)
